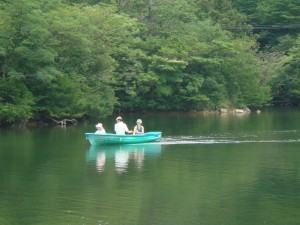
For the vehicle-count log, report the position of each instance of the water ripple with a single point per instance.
(221, 140)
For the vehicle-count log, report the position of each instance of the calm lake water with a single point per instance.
(210, 170)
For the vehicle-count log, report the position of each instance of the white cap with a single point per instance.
(99, 125)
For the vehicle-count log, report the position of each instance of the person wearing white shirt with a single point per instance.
(120, 127)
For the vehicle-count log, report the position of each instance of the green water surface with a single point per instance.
(207, 169)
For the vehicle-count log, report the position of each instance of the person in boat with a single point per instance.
(100, 129)
(120, 127)
(139, 128)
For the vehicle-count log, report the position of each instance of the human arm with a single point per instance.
(143, 130)
(127, 130)
(135, 130)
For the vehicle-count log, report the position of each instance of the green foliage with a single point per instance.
(271, 19)
(286, 86)
(88, 58)
(247, 8)
(220, 11)
(278, 12)
(62, 54)
(15, 102)
(282, 15)
(190, 64)
(26, 52)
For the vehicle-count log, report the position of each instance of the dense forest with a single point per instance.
(81, 59)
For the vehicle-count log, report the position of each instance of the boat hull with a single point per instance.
(109, 139)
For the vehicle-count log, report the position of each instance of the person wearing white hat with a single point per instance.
(100, 129)
(120, 127)
(138, 129)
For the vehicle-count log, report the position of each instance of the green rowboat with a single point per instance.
(109, 139)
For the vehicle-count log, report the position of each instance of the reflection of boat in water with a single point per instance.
(110, 150)
(108, 139)
(122, 154)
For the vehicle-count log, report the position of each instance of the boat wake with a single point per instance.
(261, 137)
